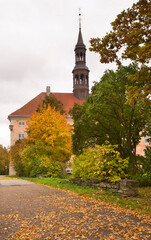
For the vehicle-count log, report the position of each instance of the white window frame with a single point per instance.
(21, 136)
(21, 123)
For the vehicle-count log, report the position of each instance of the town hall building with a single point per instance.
(80, 72)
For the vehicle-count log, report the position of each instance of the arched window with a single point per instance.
(84, 57)
(86, 80)
(81, 79)
(81, 56)
(76, 79)
(77, 57)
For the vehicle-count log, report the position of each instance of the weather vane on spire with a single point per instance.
(80, 18)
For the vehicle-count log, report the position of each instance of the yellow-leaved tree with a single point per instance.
(49, 146)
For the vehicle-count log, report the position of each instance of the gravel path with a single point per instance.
(14, 182)
(34, 212)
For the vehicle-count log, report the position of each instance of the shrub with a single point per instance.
(38, 160)
(144, 168)
(100, 162)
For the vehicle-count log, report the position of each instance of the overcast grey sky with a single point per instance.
(37, 40)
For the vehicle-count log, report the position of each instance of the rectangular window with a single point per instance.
(21, 123)
(21, 136)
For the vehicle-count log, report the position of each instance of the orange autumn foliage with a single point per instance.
(50, 127)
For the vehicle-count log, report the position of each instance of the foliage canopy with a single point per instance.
(106, 116)
(15, 152)
(50, 127)
(53, 102)
(131, 30)
(130, 38)
(4, 160)
(48, 146)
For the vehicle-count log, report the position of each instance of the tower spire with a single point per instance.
(80, 39)
(79, 18)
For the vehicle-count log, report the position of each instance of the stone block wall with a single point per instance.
(125, 187)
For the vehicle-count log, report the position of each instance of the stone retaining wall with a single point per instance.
(124, 187)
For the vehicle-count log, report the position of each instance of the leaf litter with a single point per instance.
(65, 215)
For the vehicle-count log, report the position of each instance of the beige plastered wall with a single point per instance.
(141, 147)
(15, 130)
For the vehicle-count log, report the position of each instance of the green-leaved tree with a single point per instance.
(53, 102)
(106, 116)
(130, 38)
(4, 160)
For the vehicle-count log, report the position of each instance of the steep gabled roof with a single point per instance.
(67, 99)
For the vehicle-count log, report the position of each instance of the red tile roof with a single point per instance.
(67, 99)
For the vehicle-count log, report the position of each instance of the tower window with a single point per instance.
(76, 80)
(81, 56)
(81, 79)
(77, 57)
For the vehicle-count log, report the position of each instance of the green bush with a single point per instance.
(100, 162)
(143, 175)
(37, 160)
(31, 160)
(143, 179)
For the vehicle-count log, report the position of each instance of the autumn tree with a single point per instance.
(50, 138)
(105, 115)
(53, 102)
(130, 38)
(15, 153)
(4, 160)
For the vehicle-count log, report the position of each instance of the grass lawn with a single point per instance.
(141, 204)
